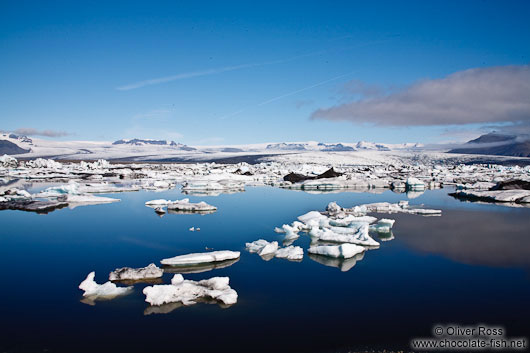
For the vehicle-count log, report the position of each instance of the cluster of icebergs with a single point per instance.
(399, 175)
(337, 235)
(180, 291)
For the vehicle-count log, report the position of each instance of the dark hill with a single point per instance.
(8, 147)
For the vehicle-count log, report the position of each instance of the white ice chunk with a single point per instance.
(78, 200)
(360, 237)
(338, 251)
(294, 253)
(262, 247)
(185, 205)
(310, 216)
(200, 258)
(107, 290)
(188, 292)
(158, 203)
(415, 184)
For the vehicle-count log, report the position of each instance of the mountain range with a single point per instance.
(496, 144)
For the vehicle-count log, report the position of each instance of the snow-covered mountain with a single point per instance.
(157, 150)
(147, 142)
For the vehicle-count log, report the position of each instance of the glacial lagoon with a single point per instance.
(470, 265)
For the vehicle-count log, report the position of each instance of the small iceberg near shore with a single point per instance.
(201, 258)
(106, 291)
(190, 292)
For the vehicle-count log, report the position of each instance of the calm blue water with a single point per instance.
(469, 266)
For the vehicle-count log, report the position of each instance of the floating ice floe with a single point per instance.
(414, 184)
(268, 250)
(190, 292)
(292, 253)
(200, 186)
(106, 291)
(479, 185)
(515, 196)
(201, 258)
(183, 205)
(71, 193)
(384, 225)
(262, 247)
(387, 207)
(344, 251)
(345, 235)
(127, 273)
(81, 200)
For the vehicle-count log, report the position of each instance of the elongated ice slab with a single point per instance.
(181, 205)
(200, 258)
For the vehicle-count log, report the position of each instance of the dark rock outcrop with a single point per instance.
(296, 178)
(33, 206)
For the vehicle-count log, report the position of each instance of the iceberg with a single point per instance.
(359, 237)
(262, 247)
(268, 250)
(80, 200)
(185, 205)
(190, 292)
(505, 196)
(292, 253)
(414, 184)
(344, 251)
(384, 225)
(201, 258)
(106, 291)
(127, 273)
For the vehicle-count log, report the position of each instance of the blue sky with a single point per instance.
(248, 72)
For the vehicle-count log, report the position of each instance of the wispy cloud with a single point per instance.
(35, 132)
(303, 89)
(288, 94)
(207, 72)
(483, 95)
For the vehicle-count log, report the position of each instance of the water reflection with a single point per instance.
(471, 237)
(342, 264)
(200, 267)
